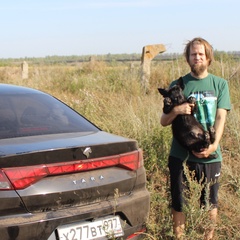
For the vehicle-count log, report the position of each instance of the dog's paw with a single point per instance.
(192, 100)
(167, 107)
(167, 101)
(212, 133)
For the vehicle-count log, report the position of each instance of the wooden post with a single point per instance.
(148, 53)
(24, 70)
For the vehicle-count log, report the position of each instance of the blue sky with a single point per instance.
(39, 28)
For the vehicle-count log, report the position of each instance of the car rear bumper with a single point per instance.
(132, 209)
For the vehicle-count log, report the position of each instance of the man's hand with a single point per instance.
(205, 152)
(185, 108)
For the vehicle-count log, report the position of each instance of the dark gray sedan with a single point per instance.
(63, 178)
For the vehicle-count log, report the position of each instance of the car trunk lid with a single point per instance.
(87, 168)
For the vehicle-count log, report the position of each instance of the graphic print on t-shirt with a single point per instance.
(206, 103)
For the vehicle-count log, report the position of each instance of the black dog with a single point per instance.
(186, 129)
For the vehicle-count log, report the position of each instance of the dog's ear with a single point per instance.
(163, 92)
(180, 83)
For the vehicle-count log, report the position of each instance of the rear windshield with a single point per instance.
(37, 114)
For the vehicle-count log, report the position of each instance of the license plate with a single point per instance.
(104, 228)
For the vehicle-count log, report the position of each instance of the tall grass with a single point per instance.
(110, 96)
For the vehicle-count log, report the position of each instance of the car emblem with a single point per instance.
(87, 151)
(92, 179)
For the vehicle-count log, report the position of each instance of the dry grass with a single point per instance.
(111, 97)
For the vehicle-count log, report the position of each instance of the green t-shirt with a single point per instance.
(211, 93)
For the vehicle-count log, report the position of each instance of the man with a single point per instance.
(213, 102)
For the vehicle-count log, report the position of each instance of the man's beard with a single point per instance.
(198, 69)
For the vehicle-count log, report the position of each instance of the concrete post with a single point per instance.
(24, 70)
(148, 53)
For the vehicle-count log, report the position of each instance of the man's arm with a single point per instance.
(185, 108)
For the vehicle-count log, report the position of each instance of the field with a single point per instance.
(111, 96)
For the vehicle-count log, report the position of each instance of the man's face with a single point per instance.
(197, 59)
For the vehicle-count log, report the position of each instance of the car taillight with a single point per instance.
(4, 182)
(22, 177)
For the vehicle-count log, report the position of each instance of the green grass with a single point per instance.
(110, 95)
